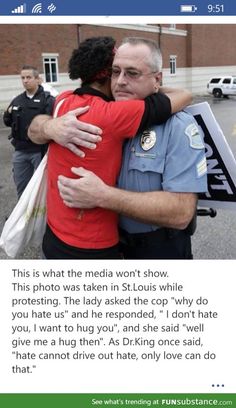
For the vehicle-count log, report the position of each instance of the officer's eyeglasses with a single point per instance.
(130, 73)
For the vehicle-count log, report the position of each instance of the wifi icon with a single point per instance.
(37, 9)
(51, 8)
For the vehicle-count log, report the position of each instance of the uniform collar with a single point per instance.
(39, 90)
(87, 90)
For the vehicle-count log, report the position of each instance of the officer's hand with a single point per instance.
(70, 132)
(84, 192)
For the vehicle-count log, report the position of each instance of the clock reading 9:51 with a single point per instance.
(215, 8)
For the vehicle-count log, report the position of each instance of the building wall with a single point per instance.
(201, 51)
(170, 41)
(211, 45)
(24, 43)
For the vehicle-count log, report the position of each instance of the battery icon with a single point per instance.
(185, 8)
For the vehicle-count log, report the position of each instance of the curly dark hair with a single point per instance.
(92, 60)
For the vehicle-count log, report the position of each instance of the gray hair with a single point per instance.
(31, 68)
(156, 57)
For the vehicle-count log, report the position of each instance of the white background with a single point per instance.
(213, 280)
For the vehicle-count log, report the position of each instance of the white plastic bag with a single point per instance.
(27, 223)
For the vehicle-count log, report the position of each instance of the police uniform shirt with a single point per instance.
(24, 108)
(169, 157)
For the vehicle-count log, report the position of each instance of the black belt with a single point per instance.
(146, 238)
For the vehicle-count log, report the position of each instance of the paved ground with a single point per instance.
(215, 237)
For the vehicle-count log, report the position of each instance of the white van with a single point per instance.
(222, 86)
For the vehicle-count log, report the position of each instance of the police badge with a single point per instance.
(148, 139)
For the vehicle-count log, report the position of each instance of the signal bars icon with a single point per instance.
(19, 10)
(37, 9)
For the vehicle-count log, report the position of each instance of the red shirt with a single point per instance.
(94, 228)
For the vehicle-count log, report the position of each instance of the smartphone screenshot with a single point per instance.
(117, 204)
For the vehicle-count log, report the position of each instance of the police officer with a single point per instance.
(163, 169)
(18, 116)
(170, 159)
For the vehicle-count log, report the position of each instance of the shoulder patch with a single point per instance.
(195, 139)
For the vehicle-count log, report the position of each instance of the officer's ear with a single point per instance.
(158, 80)
(158, 77)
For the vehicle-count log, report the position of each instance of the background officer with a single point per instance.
(18, 116)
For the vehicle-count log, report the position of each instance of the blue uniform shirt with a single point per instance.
(168, 157)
